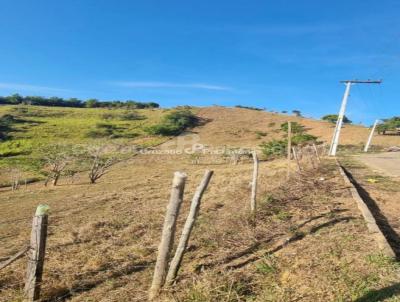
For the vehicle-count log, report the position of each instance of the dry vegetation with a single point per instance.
(309, 242)
(242, 127)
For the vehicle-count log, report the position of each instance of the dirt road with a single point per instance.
(387, 163)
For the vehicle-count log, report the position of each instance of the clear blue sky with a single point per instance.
(281, 55)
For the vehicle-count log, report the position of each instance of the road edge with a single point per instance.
(369, 218)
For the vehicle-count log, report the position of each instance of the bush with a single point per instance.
(334, 117)
(302, 139)
(391, 124)
(249, 107)
(7, 122)
(101, 130)
(295, 127)
(274, 148)
(131, 116)
(174, 123)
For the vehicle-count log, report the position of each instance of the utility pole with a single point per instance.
(339, 122)
(370, 136)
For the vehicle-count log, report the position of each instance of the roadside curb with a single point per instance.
(369, 218)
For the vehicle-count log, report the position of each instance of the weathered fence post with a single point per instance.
(167, 237)
(253, 203)
(289, 148)
(311, 156)
(187, 229)
(316, 152)
(36, 254)
(296, 158)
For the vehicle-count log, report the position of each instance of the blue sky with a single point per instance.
(282, 55)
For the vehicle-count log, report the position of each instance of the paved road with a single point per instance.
(387, 163)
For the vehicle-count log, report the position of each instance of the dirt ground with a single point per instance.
(380, 191)
(388, 163)
(239, 127)
(309, 243)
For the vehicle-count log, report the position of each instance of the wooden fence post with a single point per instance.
(297, 159)
(167, 237)
(316, 152)
(36, 254)
(187, 229)
(253, 203)
(289, 148)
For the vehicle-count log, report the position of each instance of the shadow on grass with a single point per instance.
(390, 234)
(380, 294)
(81, 286)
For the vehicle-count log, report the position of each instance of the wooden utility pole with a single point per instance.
(371, 135)
(339, 122)
(187, 229)
(168, 232)
(36, 254)
(289, 148)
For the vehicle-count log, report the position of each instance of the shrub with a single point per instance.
(391, 124)
(249, 107)
(302, 139)
(295, 127)
(7, 122)
(297, 113)
(260, 134)
(131, 116)
(274, 148)
(101, 130)
(126, 116)
(334, 117)
(174, 123)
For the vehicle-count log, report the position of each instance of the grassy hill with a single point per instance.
(30, 128)
(309, 242)
(242, 127)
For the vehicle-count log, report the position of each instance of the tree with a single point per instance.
(296, 112)
(92, 103)
(174, 123)
(391, 124)
(295, 127)
(100, 162)
(334, 117)
(55, 160)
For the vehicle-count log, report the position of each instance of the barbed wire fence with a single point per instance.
(308, 157)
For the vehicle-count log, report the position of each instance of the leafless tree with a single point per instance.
(100, 163)
(15, 177)
(56, 158)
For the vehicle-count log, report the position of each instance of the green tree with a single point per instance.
(295, 127)
(334, 117)
(296, 112)
(391, 124)
(92, 103)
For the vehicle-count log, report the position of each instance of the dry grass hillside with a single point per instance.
(239, 127)
(309, 242)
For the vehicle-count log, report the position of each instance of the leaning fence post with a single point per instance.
(316, 152)
(254, 184)
(289, 148)
(36, 254)
(187, 229)
(167, 237)
(296, 158)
